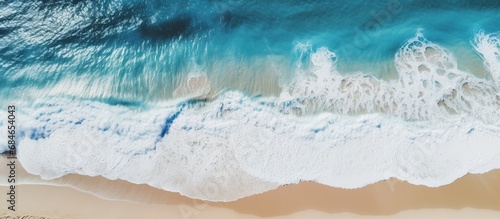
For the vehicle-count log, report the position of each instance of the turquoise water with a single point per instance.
(145, 47)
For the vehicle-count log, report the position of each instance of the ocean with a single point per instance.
(219, 100)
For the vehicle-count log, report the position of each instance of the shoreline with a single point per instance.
(472, 194)
(57, 202)
(50, 202)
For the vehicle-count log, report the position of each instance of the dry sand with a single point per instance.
(74, 196)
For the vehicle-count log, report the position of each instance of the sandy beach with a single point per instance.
(74, 196)
(237, 109)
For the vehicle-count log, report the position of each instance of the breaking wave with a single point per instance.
(432, 125)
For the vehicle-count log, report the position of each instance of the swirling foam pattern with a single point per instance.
(431, 126)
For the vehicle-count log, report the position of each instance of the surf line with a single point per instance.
(11, 157)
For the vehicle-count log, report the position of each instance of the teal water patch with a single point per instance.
(142, 50)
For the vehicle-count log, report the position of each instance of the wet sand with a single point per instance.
(74, 196)
(65, 202)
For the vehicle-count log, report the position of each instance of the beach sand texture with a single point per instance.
(75, 196)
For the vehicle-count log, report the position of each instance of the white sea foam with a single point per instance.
(488, 46)
(430, 87)
(433, 125)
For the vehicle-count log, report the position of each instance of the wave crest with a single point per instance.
(431, 126)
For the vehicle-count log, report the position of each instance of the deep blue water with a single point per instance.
(143, 46)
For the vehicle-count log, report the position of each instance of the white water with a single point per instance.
(433, 125)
